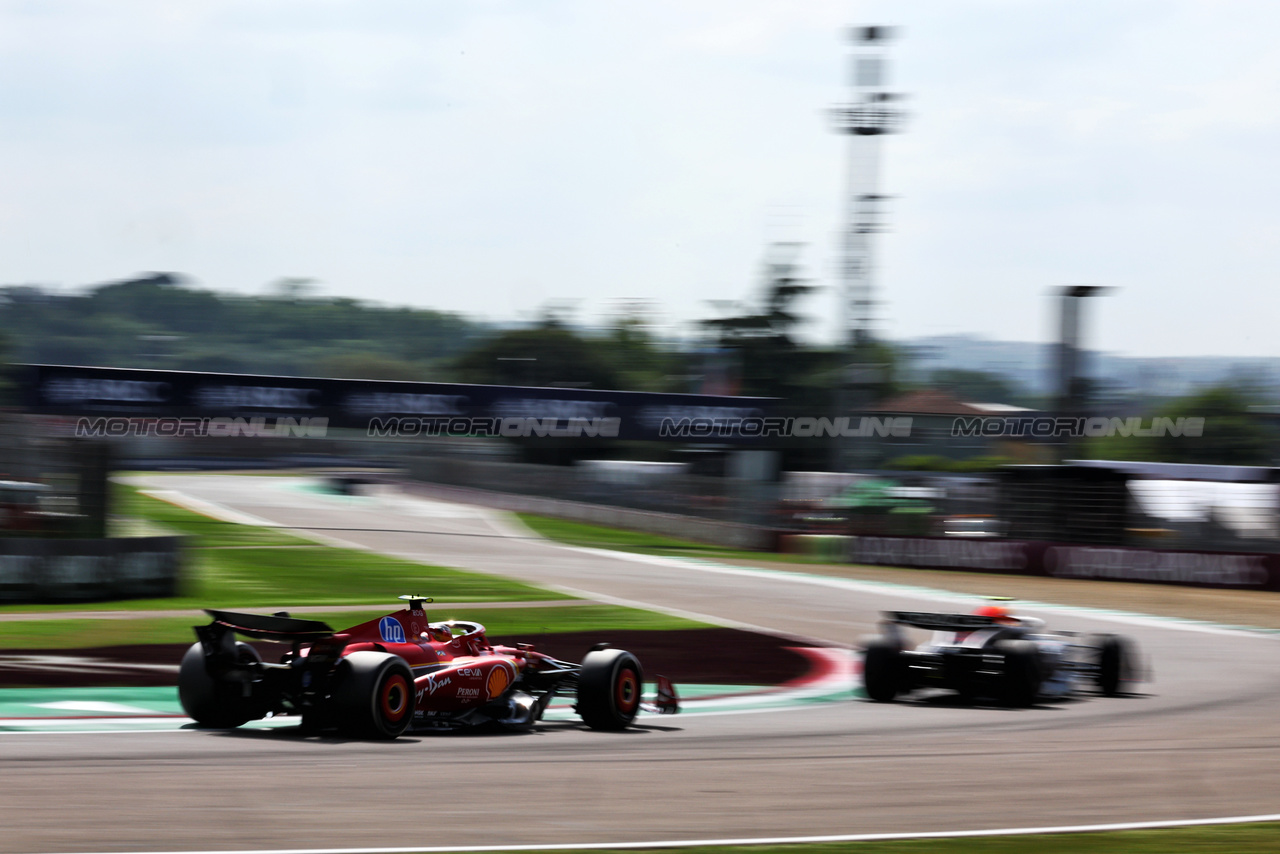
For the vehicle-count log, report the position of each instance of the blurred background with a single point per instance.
(978, 215)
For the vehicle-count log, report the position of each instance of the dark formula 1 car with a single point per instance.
(994, 655)
(379, 678)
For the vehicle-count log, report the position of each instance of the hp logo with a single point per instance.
(391, 630)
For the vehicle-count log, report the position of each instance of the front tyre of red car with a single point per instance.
(211, 702)
(372, 695)
(609, 686)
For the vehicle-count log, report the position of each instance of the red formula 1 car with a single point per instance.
(380, 678)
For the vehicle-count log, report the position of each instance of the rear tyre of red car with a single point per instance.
(372, 695)
(883, 670)
(609, 686)
(210, 702)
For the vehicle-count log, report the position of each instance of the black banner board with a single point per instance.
(221, 404)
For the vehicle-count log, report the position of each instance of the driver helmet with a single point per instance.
(999, 613)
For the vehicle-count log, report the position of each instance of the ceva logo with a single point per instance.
(391, 630)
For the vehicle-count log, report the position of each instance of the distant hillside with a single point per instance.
(1031, 365)
(161, 321)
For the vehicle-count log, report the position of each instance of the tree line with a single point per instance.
(163, 320)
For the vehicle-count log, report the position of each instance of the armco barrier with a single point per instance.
(1062, 560)
(56, 570)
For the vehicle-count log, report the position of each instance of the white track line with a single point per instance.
(929, 594)
(226, 514)
(206, 508)
(775, 840)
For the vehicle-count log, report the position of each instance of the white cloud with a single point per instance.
(487, 157)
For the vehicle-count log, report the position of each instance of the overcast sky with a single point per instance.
(492, 157)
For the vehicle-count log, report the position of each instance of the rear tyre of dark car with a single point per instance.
(214, 702)
(1021, 675)
(1115, 664)
(609, 686)
(884, 670)
(372, 695)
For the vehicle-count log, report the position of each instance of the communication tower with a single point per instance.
(870, 114)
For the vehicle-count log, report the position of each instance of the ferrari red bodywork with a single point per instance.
(397, 672)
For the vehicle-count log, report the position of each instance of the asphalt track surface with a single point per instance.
(1202, 741)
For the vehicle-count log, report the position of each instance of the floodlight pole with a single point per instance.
(869, 115)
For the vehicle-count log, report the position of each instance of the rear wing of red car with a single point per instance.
(222, 657)
(276, 627)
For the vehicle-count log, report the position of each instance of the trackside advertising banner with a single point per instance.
(54, 570)
(1060, 560)
(114, 402)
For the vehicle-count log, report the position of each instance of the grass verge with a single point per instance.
(233, 566)
(97, 632)
(600, 537)
(244, 566)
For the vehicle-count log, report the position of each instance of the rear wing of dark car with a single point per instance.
(940, 622)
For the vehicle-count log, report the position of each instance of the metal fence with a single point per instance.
(1094, 505)
(1201, 508)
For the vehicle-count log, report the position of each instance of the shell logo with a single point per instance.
(498, 680)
